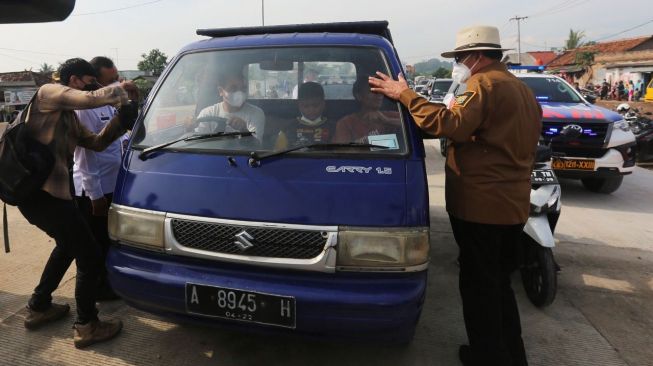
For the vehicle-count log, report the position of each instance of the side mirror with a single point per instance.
(542, 154)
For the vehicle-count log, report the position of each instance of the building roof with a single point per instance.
(149, 78)
(622, 45)
(544, 56)
(25, 78)
(132, 74)
(536, 58)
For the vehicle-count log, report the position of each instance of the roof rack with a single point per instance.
(379, 28)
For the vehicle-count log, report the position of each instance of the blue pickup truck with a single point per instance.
(218, 223)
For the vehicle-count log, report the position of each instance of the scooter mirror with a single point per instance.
(542, 154)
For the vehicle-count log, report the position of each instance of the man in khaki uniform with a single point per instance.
(493, 128)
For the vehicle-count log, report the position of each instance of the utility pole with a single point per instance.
(262, 12)
(518, 19)
(116, 60)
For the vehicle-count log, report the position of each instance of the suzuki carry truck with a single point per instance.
(217, 221)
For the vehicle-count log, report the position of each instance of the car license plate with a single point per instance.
(572, 164)
(543, 176)
(246, 306)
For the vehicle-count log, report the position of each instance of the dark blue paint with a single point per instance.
(384, 306)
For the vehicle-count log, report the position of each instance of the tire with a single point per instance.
(443, 147)
(539, 274)
(603, 185)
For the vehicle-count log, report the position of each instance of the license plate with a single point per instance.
(572, 164)
(543, 176)
(245, 306)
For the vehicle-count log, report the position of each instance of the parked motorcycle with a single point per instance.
(538, 268)
(642, 128)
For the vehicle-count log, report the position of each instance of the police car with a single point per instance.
(602, 149)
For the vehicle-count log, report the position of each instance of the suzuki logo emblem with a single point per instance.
(244, 240)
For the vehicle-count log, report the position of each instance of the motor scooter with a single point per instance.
(538, 266)
(642, 128)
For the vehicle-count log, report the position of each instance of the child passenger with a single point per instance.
(311, 126)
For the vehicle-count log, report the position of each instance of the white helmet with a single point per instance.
(623, 107)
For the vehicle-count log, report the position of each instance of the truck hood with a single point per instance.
(578, 112)
(287, 189)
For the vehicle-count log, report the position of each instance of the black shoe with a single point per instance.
(37, 319)
(465, 354)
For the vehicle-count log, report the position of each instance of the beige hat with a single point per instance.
(476, 38)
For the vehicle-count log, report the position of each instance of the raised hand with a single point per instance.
(384, 84)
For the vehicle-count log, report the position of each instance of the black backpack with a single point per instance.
(25, 165)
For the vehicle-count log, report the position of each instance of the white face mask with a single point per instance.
(312, 122)
(236, 99)
(461, 72)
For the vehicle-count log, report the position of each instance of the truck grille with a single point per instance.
(594, 134)
(267, 242)
(572, 152)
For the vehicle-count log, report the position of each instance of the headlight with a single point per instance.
(390, 250)
(136, 227)
(622, 125)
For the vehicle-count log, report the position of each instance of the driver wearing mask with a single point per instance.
(240, 115)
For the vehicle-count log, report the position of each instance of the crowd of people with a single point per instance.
(620, 90)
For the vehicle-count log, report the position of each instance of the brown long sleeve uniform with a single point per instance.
(52, 122)
(493, 129)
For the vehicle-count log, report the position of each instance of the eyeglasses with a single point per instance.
(460, 57)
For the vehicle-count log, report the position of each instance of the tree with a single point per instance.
(442, 73)
(154, 61)
(46, 68)
(574, 40)
(430, 66)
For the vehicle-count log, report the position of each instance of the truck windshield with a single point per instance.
(551, 89)
(285, 96)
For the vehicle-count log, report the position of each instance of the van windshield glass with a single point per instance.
(286, 97)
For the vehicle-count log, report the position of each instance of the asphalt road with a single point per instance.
(601, 316)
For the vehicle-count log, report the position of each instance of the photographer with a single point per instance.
(52, 122)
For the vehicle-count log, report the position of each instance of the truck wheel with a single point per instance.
(539, 274)
(603, 185)
(443, 147)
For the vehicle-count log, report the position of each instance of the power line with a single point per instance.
(31, 62)
(116, 9)
(624, 31)
(38, 52)
(563, 6)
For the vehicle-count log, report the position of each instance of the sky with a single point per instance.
(422, 29)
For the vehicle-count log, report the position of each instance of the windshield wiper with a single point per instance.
(255, 159)
(147, 152)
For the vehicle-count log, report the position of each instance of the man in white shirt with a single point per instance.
(95, 173)
(240, 115)
(107, 72)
